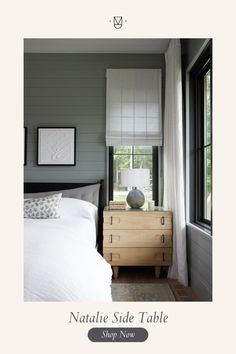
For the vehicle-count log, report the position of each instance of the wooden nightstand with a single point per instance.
(137, 237)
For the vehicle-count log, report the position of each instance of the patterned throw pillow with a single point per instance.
(42, 208)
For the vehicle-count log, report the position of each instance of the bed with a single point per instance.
(61, 258)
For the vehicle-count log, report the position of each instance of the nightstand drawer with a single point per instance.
(137, 256)
(137, 220)
(137, 238)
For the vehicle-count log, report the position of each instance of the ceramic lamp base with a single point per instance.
(135, 199)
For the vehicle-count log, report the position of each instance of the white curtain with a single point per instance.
(173, 198)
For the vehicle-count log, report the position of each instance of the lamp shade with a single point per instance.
(135, 177)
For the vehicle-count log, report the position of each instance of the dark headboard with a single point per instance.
(37, 187)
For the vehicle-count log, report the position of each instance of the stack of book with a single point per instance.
(115, 205)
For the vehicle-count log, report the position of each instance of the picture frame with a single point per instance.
(56, 146)
(25, 145)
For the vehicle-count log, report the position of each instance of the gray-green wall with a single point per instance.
(69, 90)
(199, 244)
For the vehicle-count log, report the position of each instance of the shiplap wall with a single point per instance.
(69, 90)
(200, 262)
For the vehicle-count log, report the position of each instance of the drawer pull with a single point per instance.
(163, 257)
(163, 238)
(162, 220)
(108, 239)
(111, 220)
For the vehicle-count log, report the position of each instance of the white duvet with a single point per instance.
(61, 262)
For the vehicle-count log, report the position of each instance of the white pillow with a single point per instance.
(77, 207)
(42, 208)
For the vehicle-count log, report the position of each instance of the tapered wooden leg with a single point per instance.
(157, 272)
(115, 272)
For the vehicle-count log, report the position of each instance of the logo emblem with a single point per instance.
(117, 22)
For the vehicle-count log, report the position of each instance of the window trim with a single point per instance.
(200, 147)
(155, 163)
(202, 65)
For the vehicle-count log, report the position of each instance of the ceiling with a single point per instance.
(89, 45)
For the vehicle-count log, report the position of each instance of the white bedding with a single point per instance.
(61, 261)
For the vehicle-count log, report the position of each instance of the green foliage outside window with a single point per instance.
(131, 157)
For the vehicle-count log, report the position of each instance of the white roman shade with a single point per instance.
(133, 107)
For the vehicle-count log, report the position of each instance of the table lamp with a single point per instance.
(135, 177)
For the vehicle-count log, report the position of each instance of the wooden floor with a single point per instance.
(147, 275)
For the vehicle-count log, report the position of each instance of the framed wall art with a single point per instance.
(56, 146)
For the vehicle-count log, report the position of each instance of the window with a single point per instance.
(122, 157)
(201, 123)
(207, 148)
(133, 125)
